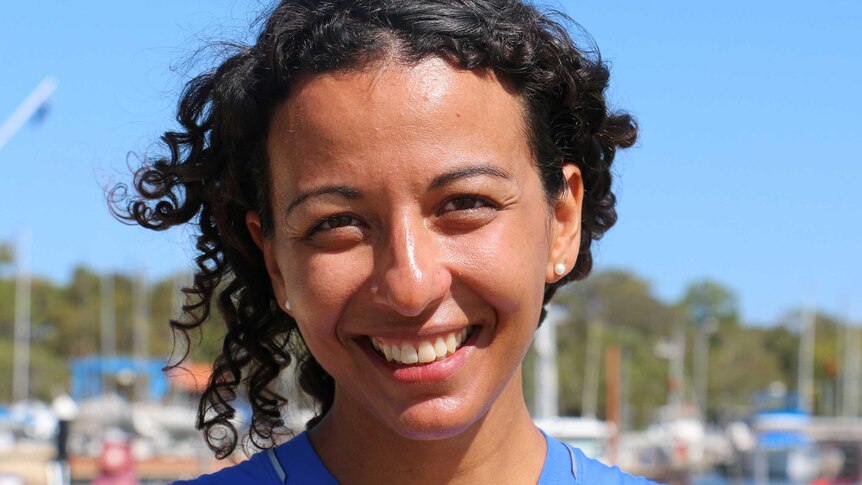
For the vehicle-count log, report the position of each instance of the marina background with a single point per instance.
(733, 271)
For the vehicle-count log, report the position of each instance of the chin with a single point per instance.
(437, 421)
(426, 431)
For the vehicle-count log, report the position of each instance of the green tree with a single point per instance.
(630, 316)
(6, 253)
(709, 299)
(741, 363)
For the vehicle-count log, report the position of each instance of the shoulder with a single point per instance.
(255, 470)
(590, 471)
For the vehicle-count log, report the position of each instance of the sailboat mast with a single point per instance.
(21, 364)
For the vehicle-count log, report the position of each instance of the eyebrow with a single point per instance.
(449, 177)
(439, 181)
(343, 190)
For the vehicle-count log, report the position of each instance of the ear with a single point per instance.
(252, 222)
(566, 225)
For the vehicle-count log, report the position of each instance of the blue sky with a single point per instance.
(748, 169)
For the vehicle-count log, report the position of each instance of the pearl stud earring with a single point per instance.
(559, 269)
(287, 305)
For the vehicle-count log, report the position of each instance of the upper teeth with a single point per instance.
(425, 351)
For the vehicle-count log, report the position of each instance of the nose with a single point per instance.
(409, 271)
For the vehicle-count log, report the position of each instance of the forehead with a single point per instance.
(393, 116)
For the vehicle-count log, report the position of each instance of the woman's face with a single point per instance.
(408, 213)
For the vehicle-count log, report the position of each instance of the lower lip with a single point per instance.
(439, 370)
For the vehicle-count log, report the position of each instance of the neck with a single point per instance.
(502, 446)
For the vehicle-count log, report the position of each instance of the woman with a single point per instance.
(388, 192)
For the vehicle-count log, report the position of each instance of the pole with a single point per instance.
(108, 324)
(590, 396)
(27, 109)
(700, 368)
(140, 326)
(140, 314)
(851, 372)
(806, 358)
(678, 369)
(547, 371)
(21, 364)
(701, 362)
(625, 390)
(669, 349)
(612, 391)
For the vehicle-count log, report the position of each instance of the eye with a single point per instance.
(334, 222)
(466, 203)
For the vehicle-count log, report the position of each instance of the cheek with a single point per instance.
(506, 262)
(321, 286)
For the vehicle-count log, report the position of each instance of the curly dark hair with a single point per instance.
(216, 168)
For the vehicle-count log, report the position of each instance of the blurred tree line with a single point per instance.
(66, 323)
(742, 358)
(609, 308)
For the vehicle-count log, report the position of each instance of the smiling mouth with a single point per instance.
(422, 351)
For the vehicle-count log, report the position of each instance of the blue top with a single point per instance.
(296, 462)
